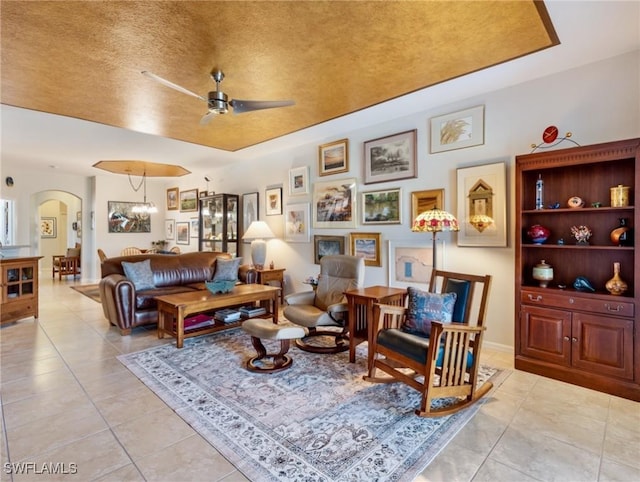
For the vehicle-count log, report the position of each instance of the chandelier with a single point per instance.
(145, 207)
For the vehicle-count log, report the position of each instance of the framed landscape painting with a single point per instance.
(367, 246)
(334, 204)
(382, 207)
(390, 158)
(189, 200)
(333, 158)
(325, 245)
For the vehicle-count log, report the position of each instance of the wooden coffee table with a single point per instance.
(172, 309)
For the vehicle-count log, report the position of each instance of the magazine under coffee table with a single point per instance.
(173, 309)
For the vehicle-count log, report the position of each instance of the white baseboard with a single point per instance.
(498, 347)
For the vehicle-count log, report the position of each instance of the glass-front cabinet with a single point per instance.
(219, 223)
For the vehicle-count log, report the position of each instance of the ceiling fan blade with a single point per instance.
(173, 86)
(207, 118)
(240, 106)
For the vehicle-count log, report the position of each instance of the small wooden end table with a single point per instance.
(361, 301)
(172, 309)
(276, 274)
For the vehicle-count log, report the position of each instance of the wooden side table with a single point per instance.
(361, 301)
(276, 274)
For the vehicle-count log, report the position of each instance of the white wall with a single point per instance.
(597, 103)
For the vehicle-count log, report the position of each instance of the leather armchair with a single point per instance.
(326, 306)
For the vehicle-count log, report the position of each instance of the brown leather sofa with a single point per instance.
(127, 308)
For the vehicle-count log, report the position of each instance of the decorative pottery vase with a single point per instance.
(543, 272)
(622, 234)
(616, 286)
(538, 233)
(581, 233)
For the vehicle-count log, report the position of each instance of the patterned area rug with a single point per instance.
(317, 421)
(91, 291)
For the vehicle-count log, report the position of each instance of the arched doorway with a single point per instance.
(58, 225)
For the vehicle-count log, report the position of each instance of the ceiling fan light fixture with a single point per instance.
(218, 102)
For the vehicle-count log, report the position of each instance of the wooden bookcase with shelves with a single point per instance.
(581, 337)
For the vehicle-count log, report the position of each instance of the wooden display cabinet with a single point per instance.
(581, 337)
(219, 223)
(19, 288)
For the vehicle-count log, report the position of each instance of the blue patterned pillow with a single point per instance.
(140, 274)
(226, 269)
(426, 307)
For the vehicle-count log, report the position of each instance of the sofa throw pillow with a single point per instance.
(140, 274)
(226, 269)
(425, 307)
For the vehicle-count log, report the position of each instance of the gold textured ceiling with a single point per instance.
(83, 58)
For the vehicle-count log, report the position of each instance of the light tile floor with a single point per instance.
(66, 399)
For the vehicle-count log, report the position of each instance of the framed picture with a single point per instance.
(188, 200)
(172, 199)
(48, 228)
(250, 211)
(422, 201)
(333, 158)
(367, 246)
(390, 158)
(299, 181)
(273, 198)
(334, 204)
(79, 223)
(122, 219)
(169, 229)
(410, 265)
(182, 233)
(382, 207)
(203, 193)
(482, 205)
(297, 223)
(460, 129)
(194, 228)
(324, 245)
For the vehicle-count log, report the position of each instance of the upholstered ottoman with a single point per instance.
(261, 329)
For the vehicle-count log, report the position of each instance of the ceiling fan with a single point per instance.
(218, 101)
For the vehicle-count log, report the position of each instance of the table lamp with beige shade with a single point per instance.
(258, 233)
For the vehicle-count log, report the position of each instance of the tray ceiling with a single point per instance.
(83, 59)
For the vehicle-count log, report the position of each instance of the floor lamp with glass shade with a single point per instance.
(435, 221)
(258, 233)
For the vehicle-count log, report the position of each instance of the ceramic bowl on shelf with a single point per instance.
(538, 234)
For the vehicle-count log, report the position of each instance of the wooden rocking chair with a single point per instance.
(444, 364)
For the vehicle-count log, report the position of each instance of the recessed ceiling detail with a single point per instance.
(83, 59)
